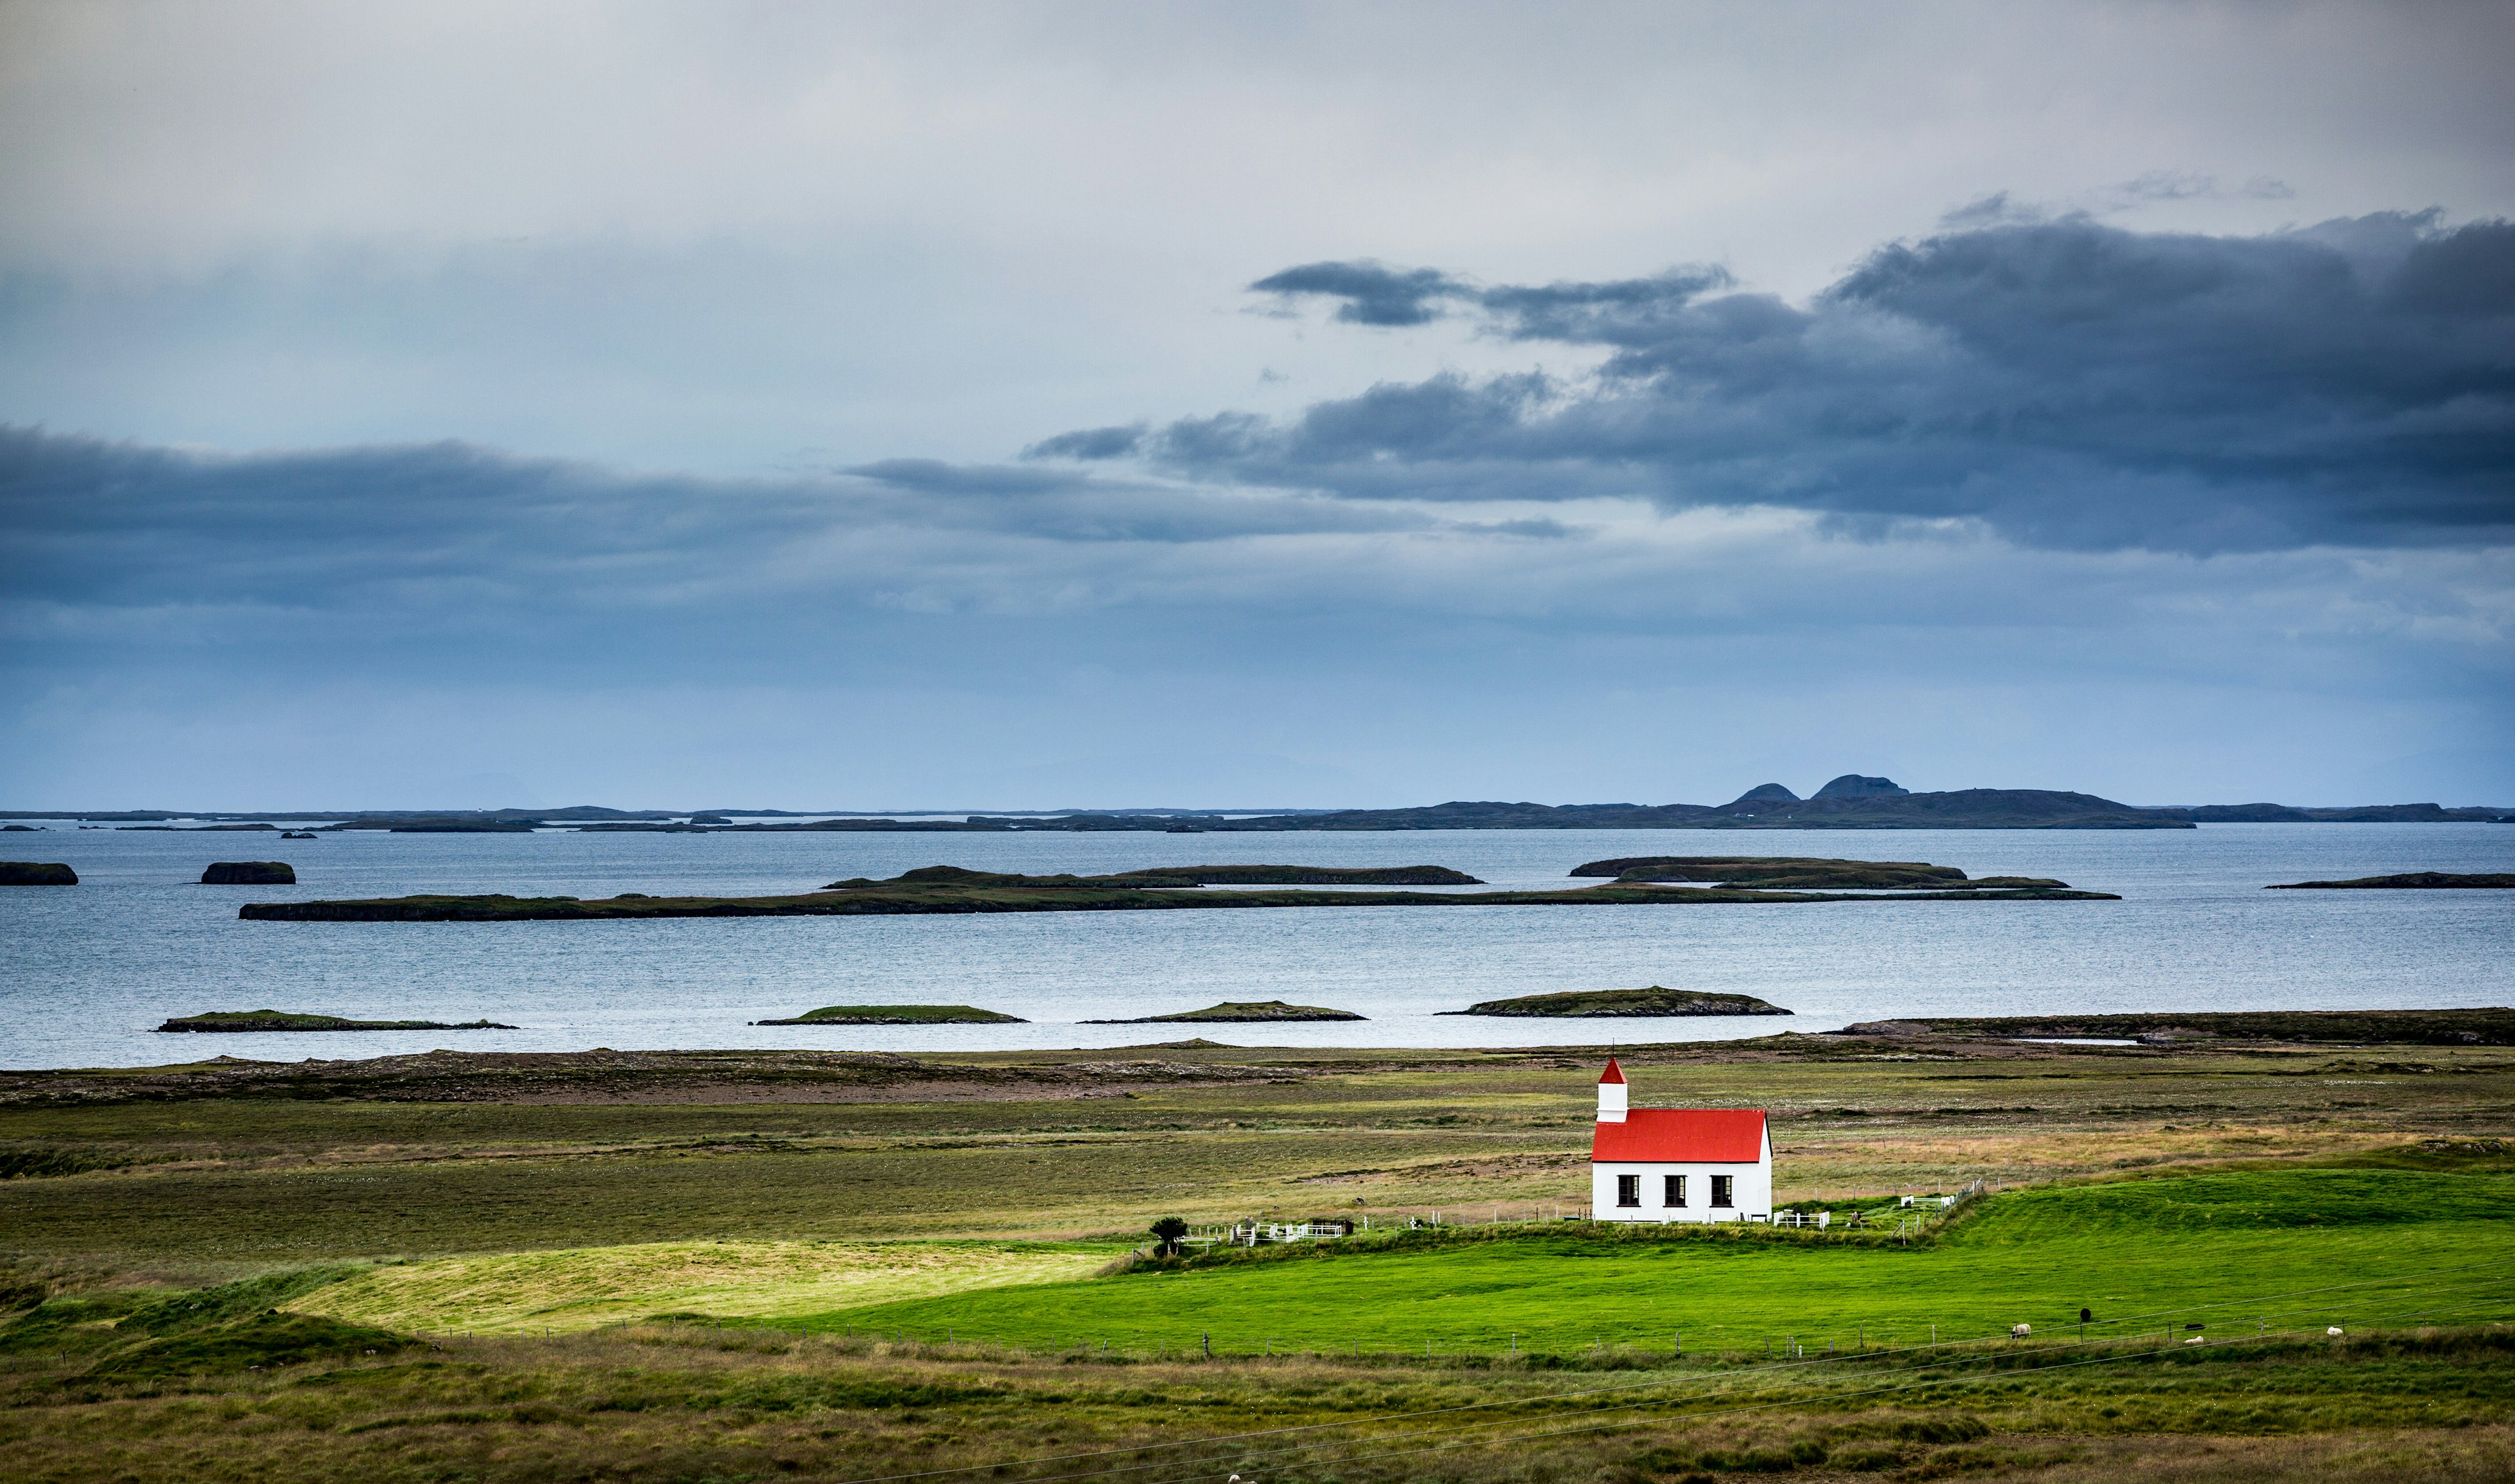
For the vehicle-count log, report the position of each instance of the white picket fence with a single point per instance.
(1255, 1233)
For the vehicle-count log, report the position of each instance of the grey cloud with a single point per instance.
(2167, 185)
(2468, 274)
(1620, 311)
(442, 539)
(1998, 209)
(2072, 384)
(1373, 293)
(456, 530)
(2184, 186)
(1090, 443)
(934, 476)
(1536, 531)
(2002, 208)
(1063, 506)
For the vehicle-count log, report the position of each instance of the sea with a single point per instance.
(87, 973)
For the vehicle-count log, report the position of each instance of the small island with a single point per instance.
(1653, 1002)
(249, 873)
(2409, 881)
(286, 1020)
(898, 1014)
(1241, 1012)
(953, 889)
(1806, 873)
(1160, 876)
(28, 872)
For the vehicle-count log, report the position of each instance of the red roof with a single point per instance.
(1682, 1135)
(1615, 1073)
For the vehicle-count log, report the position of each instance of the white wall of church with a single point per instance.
(1751, 1193)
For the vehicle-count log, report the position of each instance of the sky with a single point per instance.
(1022, 406)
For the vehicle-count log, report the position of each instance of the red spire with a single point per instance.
(1614, 1072)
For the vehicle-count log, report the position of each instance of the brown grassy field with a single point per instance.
(220, 1186)
(465, 1173)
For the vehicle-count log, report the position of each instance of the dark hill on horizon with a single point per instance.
(1854, 786)
(1765, 793)
(1765, 807)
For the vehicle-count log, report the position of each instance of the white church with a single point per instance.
(1677, 1164)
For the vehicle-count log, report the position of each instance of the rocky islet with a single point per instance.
(31, 873)
(249, 873)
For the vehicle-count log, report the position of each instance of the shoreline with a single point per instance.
(835, 1075)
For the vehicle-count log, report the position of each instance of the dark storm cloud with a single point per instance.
(2072, 384)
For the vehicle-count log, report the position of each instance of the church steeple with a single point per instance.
(1611, 1094)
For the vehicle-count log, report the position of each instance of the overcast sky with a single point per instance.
(1030, 407)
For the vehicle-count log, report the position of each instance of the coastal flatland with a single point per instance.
(838, 1266)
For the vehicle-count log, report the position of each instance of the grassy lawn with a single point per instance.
(2168, 1249)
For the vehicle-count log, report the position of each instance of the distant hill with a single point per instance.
(1765, 793)
(1766, 807)
(1854, 786)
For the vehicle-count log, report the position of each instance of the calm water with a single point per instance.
(86, 972)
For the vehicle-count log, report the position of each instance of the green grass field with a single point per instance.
(2140, 1254)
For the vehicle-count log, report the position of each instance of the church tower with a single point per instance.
(1611, 1094)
